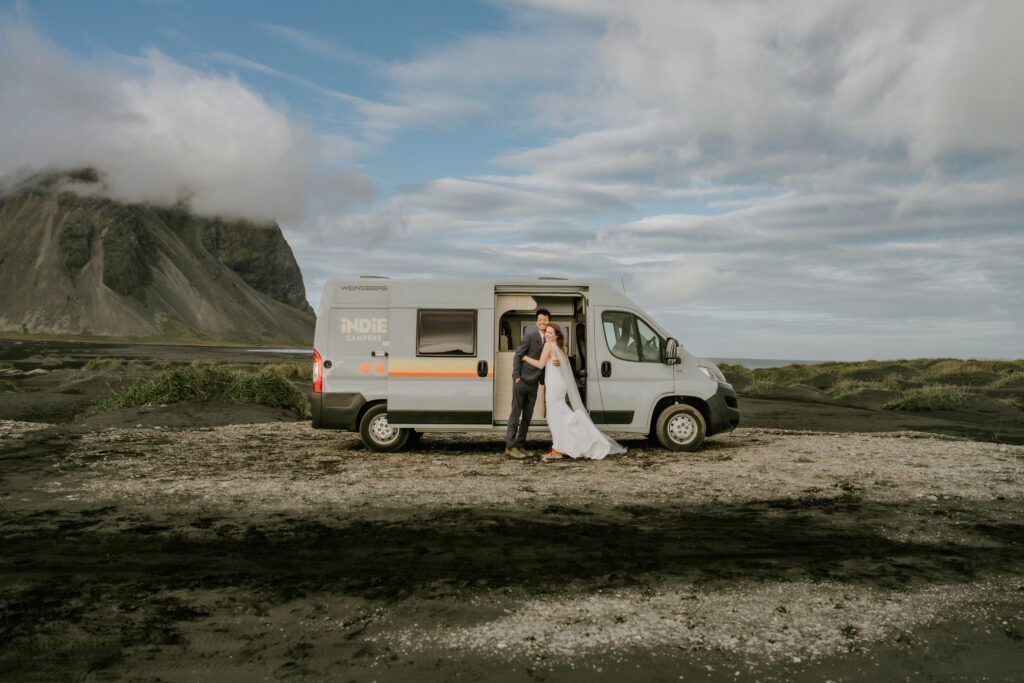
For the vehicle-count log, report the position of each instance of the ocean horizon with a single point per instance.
(758, 363)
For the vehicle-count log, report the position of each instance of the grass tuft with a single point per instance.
(955, 366)
(930, 397)
(1006, 379)
(789, 374)
(303, 371)
(8, 385)
(729, 368)
(1013, 402)
(893, 382)
(760, 388)
(103, 364)
(267, 388)
(205, 383)
(850, 387)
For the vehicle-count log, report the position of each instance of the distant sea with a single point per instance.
(756, 363)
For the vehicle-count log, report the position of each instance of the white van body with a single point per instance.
(394, 358)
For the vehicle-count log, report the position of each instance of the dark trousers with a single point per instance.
(524, 396)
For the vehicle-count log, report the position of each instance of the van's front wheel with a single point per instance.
(377, 434)
(681, 428)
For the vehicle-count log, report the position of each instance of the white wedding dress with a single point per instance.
(572, 431)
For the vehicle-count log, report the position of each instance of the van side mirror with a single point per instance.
(671, 352)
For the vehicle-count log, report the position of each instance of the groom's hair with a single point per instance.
(544, 311)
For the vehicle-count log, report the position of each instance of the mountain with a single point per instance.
(76, 263)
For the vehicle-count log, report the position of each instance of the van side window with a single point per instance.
(445, 332)
(650, 342)
(620, 334)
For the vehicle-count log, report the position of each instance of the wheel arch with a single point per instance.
(365, 407)
(693, 401)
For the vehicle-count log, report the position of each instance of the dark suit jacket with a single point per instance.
(532, 346)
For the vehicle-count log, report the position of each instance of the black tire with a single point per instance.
(681, 428)
(378, 435)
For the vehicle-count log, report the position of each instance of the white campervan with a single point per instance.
(395, 358)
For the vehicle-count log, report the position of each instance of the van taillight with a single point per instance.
(318, 372)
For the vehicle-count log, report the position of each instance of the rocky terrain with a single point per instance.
(213, 541)
(75, 263)
(275, 551)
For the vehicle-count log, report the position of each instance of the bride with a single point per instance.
(572, 431)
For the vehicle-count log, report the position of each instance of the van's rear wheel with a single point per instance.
(681, 428)
(377, 434)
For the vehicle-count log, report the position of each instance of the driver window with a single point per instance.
(650, 342)
(620, 335)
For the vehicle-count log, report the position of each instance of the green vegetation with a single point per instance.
(1005, 380)
(790, 374)
(760, 388)
(918, 384)
(734, 371)
(303, 371)
(850, 387)
(893, 382)
(206, 383)
(7, 385)
(103, 364)
(954, 366)
(930, 397)
(1013, 403)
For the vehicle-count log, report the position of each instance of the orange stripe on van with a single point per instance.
(435, 374)
(447, 368)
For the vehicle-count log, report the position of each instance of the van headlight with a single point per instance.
(713, 373)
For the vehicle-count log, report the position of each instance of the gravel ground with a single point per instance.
(274, 550)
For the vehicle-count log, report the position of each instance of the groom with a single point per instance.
(524, 391)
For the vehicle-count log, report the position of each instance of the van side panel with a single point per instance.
(427, 390)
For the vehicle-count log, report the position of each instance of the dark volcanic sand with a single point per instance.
(184, 551)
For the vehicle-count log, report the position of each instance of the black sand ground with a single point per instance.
(179, 550)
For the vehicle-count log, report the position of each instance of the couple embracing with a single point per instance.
(540, 358)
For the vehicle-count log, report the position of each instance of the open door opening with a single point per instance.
(514, 314)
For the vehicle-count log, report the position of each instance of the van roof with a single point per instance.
(420, 288)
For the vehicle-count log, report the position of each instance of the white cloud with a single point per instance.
(678, 282)
(805, 93)
(159, 131)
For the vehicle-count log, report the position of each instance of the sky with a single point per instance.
(814, 180)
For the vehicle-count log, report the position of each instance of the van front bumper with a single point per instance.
(725, 413)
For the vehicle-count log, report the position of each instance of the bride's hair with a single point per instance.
(559, 336)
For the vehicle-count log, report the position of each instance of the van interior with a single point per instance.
(517, 312)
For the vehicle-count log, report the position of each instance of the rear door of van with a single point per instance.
(354, 352)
